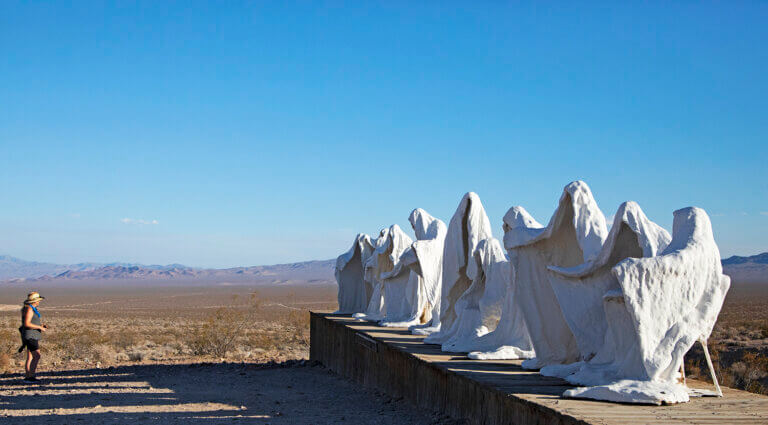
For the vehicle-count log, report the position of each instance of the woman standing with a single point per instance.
(31, 332)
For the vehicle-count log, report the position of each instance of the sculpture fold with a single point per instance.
(575, 234)
(671, 301)
(354, 294)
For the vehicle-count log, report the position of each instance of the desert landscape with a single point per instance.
(182, 350)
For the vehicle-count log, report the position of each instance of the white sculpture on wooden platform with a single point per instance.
(671, 301)
(575, 234)
(354, 294)
(425, 258)
(400, 291)
(588, 294)
(467, 228)
(375, 310)
(485, 305)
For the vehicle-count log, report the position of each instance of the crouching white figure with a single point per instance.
(468, 227)
(575, 234)
(587, 295)
(425, 260)
(354, 294)
(671, 301)
(510, 340)
(375, 310)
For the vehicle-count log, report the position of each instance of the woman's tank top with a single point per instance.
(31, 333)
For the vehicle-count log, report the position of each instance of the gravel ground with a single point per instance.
(290, 393)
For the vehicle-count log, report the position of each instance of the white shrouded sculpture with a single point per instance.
(483, 306)
(587, 296)
(467, 228)
(671, 301)
(354, 294)
(400, 291)
(375, 310)
(425, 259)
(510, 340)
(575, 234)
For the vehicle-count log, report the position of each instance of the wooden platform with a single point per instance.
(494, 391)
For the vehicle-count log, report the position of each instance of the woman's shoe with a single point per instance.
(31, 379)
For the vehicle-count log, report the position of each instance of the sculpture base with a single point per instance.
(493, 391)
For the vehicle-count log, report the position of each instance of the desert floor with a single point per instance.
(201, 393)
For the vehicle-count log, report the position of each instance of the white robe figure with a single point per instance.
(672, 300)
(469, 225)
(581, 292)
(400, 291)
(575, 234)
(480, 308)
(354, 294)
(510, 340)
(425, 258)
(375, 310)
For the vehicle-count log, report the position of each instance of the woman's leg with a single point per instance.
(33, 364)
(28, 364)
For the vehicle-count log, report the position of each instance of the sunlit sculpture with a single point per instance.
(467, 228)
(400, 292)
(425, 260)
(482, 307)
(575, 234)
(586, 295)
(664, 304)
(375, 310)
(354, 294)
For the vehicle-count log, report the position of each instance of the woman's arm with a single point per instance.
(28, 320)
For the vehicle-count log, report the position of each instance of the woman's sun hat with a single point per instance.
(33, 297)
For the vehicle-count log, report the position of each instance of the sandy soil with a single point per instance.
(201, 393)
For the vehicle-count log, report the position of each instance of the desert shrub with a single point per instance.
(218, 333)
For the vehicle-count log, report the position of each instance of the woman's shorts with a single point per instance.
(32, 344)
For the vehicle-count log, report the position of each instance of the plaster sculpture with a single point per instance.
(672, 301)
(467, 228)
(375, 310)
(425, 258)
(586, 294)
(354, 294)
(481, 307)
(575, 234)
(398, 291)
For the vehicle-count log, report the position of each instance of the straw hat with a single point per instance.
(33, 297)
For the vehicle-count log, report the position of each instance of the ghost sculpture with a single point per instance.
(575, 234)
(424, 258)
(467, 228)
(375, 310)
(664, 304)
(586, 295)
(510, 340)
(399, 290)
(354, 294)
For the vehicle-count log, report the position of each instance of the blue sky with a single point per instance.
(242, 133)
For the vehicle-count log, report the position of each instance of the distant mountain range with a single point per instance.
(14, 270)
(752, 269)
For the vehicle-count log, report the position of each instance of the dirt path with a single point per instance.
(212, 393)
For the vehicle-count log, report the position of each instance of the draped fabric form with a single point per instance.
(425, 259)
(354, 294)
(575, 234)
(399, 292)
(482, 306)
(375, 310)
(467, 228)
(671, 301)
(587, 295)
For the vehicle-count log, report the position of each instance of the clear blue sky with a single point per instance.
(242, 133)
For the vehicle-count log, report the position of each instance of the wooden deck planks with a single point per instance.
(539, 395)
